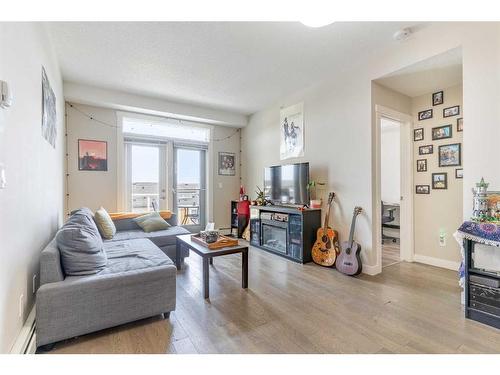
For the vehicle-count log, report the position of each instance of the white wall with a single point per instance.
(94, 189)
(390, 160)
(441, 209)
(31, 207)
(339, 122)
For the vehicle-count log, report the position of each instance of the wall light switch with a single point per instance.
(3, 178)
(220, 185)
(21, 305)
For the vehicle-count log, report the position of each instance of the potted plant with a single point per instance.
(261, 199)
(311, 187)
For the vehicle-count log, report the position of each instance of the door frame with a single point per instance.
(203, 207)
(407, 229)
(163, 162)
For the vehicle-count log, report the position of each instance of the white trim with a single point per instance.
(26, 341)
(121, 174)
(370, 270)
(406, 212)
(437, 262)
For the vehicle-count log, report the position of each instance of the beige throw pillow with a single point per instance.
(151, 222)
(104, 223)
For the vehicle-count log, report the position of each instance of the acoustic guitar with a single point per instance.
(325, 249)
(349, 261)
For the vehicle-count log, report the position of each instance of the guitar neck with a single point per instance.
(327, 219)
(351, 233)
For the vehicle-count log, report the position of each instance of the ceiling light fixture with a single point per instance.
(316, 22)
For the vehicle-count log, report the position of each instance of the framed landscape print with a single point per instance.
(460, 124)
(426, 150)
(440, 180)
(227, 164)
(425, 115)
(422, 165)
(451, 111)
(418, 134)
(441, 132)
(92, 155)
(450, 155)
(459, 173)
(437, 98)
(422, 189)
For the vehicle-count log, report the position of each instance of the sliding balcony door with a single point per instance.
(190, 187)
(146, 185)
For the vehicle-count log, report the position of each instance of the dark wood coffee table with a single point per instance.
(207, 256)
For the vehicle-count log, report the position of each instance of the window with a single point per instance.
(165, 128)
(165, 167)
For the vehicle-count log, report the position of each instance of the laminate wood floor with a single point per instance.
(293, 308)
(390, 253)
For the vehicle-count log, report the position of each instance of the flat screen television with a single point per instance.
(287, 184)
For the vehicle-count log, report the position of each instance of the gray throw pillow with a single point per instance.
(151, 222)
(80, 245)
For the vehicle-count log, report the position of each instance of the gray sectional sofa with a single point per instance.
(138, 281)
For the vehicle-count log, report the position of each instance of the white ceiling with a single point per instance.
(240, 67)
(438, 72)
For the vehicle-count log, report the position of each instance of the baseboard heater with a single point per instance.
(26, 340)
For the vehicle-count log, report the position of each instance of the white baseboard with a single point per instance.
(25, 341)
(443, 263)
(371, 270)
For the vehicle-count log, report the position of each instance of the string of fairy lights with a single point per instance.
(115, 126)
(93, 118)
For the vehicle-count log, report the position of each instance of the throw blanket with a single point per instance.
(486, 233)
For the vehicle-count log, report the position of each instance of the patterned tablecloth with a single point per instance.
(486, 233)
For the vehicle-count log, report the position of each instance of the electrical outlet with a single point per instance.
(21, 305)
(442, 238)
(34, 283)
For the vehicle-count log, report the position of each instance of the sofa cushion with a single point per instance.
(151, 222)
(104, 223)
(80, 245)
(161, 238)
(132, 255)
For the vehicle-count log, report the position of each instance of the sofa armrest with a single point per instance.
(80, 305)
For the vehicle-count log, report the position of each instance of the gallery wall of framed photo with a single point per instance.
(438, 155)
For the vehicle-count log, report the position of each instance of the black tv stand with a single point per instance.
(289, 232)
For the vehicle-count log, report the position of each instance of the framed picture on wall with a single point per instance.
(425, 115)
(422, 189)
(460, 124)
(92, 155)
(438, 98)
(440, 180)
(441, 132)
(227, 164)
(418, 134)
(459, 173)
(451, 111)
(450, 155)
(422, 165)
(49, 115)
(426, 150)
